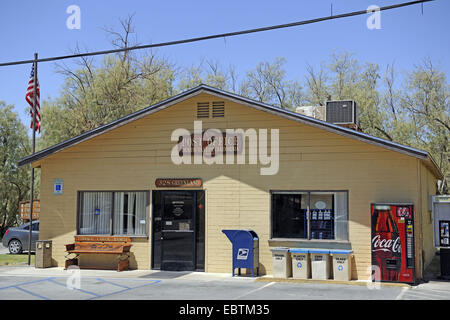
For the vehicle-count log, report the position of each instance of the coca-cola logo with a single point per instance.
(403, 212)
(386, 245)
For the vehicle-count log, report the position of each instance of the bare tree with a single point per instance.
(316, 84)
(96, 92)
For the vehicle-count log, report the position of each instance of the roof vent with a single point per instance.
(203, 110)
(218, 109)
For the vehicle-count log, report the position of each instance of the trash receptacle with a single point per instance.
(43, 257)
(245, 249)
(320, 264)
(300, 263)
(281, 262)
(342, 267)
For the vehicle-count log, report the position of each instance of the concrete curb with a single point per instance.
(314, 281)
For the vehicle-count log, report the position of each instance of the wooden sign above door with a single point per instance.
(178, 183)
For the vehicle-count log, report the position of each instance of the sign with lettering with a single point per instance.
(115, 247)
(102, 239)
(222, 142)
(24, 210)
(178, 183)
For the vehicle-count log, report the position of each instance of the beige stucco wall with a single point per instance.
(131, 157)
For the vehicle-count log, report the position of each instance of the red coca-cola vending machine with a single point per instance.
(393, 241)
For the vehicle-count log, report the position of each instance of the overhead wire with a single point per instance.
(215, 36)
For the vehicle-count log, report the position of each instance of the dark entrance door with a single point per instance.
(177, 230)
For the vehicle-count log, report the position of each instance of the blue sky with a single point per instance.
(406, 36)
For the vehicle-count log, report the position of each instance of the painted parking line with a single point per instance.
(402, 293)
(18, 287)
(115, 284)
(32, 293)
(126, 288)
(81, 290)
(254, 290)
(94, 295)
(27, 282)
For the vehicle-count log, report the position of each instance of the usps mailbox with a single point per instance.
(245, 249)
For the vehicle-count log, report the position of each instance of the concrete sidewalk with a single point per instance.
(31, 271)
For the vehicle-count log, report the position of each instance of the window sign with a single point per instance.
(310, 215)
(57, 186)
(320, 205)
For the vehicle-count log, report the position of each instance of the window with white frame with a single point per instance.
(112, 213)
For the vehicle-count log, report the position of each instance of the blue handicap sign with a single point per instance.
(341, 267)
(299, 265)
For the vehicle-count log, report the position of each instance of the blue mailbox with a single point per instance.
(245, 249)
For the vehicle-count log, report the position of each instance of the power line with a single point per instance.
(222, 35)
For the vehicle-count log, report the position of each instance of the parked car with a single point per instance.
(16, 239)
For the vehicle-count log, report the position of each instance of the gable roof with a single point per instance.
(410, 151)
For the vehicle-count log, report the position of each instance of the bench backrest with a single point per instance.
(100, 244)
(106, 247)
(101, 239)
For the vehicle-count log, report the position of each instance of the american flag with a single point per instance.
(29, 97)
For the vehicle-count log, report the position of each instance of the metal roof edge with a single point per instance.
(320, 123)
(432, 165)
(104, 128)
(423, 155)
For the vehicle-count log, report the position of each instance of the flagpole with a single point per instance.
(33, 151)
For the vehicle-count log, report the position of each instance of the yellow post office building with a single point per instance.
(172, 176)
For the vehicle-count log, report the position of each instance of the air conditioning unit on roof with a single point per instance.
(342, 112)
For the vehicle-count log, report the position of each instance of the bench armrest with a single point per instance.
(70, 246)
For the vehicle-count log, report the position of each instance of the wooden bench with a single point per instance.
(99, 245)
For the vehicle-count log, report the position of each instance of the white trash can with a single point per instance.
(301, 268)
(320, 264)
(342, 267)
(281, 261)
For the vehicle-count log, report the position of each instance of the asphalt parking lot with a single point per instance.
(28, 283)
